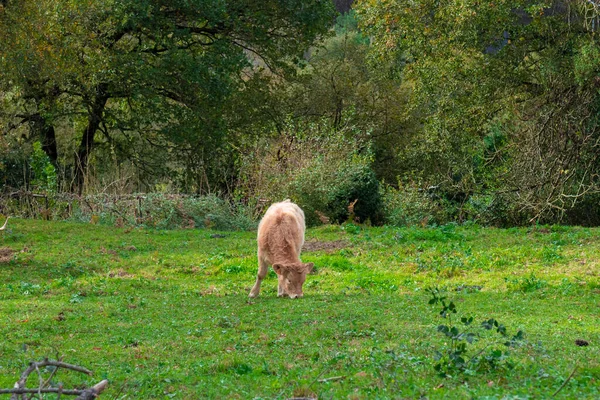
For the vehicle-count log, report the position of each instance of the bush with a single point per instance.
(44, 173)
(355, 182)
(213, 212)
(585, 212)
(13, 161)
(331, 186)
(410, 205)
(152, 210)
(176, 211)
(323, 172)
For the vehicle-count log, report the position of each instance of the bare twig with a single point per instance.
(566, 381)
(332, 379)
(74, 392)
(52, 375)
(40, 387)
(20, 391)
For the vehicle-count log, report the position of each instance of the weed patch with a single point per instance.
(461, 355)
(526, 284)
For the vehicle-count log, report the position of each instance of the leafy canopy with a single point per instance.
(148, 74)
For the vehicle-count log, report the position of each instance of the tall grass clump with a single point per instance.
(149, 210)
(164, 211)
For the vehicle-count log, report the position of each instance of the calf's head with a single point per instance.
(292, 276)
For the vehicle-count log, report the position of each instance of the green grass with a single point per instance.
(165, 314)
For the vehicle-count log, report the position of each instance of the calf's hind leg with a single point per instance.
(263, 268)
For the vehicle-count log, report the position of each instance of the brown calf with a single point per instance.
(280, 239)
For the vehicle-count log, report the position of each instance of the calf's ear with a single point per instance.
(277, 268)
(308, 267)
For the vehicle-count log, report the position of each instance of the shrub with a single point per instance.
(44, 173)
(213, 212)
(176, 211)
(323, 172)
(162, 211)
(410, 205)
(13, 161)
(356, 181)
(460, 352)
(586, 212)
(331, 186)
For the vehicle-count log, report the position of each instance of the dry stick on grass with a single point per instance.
(566, 381)
(332, 379)
(20, 389)
(41, 378)
(52, 376)
(93, 392)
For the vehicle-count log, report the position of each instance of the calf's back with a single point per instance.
(281, 233)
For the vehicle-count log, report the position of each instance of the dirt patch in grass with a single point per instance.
(6, 254)
(119, 273)
(316, 245)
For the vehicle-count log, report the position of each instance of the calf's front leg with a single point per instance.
(280, 291)
(263, 268)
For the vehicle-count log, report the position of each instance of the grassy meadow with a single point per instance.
(165, 314)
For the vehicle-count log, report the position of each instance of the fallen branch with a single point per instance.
(332, 379)
(19, 390)
(94, 391)
(74, 392)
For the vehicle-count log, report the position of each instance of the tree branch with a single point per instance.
(20, 389)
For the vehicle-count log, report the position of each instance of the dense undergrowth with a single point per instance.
(165, 314)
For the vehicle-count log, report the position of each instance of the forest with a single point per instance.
(409, 112)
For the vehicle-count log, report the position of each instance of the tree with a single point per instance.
(508, 94)
(340, 89)
(143, 71)
(342, 86)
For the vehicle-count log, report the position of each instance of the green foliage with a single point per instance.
(323, 172)
(506, 99)
(156, 210)
(526, 284)
(330, 188)
(494, 105)
(44, 173)
(585, 212)
(459, 355)
(156, 79)
(409, 205)
(13, 161)
(166, 212)
(341, 87)
(586, 62)
(163, 211)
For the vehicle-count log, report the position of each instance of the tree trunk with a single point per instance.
(96, 111)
